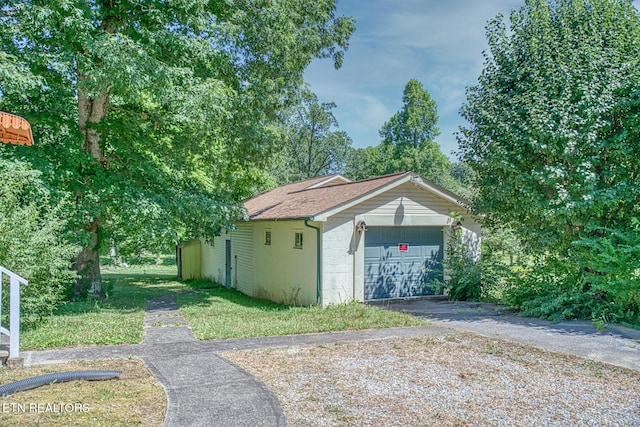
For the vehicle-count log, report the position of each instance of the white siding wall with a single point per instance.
(212, 260)
(406, 205)
(337, 260)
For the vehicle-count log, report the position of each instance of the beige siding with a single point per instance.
(190, 260)
(242, 257)
(214, 257)
(213, 260)
(282, 272)
(403, 204)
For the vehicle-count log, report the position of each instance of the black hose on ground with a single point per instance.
(60, 377)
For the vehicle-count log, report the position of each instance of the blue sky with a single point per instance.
(437, 42)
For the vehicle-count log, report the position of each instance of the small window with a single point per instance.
(267, 237)
(298, 241)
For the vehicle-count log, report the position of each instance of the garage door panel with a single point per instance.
(413, 251)
(391, 273)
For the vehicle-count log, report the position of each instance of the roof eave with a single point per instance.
(323, 216)
(442, 192)
(300, 218)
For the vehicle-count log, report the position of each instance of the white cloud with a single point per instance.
(440, 43)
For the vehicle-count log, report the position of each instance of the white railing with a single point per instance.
(14, 311)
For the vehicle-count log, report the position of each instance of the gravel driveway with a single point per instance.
(457, 378)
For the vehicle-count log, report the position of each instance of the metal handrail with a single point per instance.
(14, 310)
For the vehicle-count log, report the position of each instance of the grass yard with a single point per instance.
(135, 398)
(212, 311)
(117, 319)
(219, 312)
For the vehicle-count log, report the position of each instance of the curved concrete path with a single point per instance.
(204, 389)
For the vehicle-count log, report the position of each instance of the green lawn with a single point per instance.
(212, 311)
(117, 319)
(226, 313)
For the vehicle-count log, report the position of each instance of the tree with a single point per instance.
(367, 162)
(417, 123)
(156, 115)
(311, 148)
(553, 140)
(407, 142)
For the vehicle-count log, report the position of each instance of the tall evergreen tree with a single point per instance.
(407, 142)
(417, 123)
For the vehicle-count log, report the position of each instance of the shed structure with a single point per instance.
(330, 240)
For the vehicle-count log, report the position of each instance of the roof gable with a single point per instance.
(319, 198)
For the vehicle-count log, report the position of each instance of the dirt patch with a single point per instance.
(459, 379)
(134, 399)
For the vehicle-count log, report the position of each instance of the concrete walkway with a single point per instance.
(204, 389)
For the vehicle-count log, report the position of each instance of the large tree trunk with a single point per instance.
(88, 265)
(90, 112)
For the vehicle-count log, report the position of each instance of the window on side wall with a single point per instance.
(297, 244)
(267, 237)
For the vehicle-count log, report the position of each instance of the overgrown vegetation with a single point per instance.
(467, 275)
(553, 141)
(32, 242)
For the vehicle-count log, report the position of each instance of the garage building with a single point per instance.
(330, 240)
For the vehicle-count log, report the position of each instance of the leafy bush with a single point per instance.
(32, 243)
(463, 274)
(556, 288)
(466, 277)
(613, 271)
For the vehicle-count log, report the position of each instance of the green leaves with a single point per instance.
(407, 143)
(156, 117)
(552, 135)
(416, 124)
(32, 241)
(311, 145)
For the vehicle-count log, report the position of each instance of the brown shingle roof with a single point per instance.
(297, 200)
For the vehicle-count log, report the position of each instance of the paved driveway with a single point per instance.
(616, 345)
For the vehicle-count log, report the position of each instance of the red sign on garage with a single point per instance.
(403, 247)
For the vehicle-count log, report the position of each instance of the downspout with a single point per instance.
(318, 277)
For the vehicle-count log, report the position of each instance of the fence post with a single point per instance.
(14, 318)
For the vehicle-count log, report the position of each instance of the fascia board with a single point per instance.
(322, 216)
